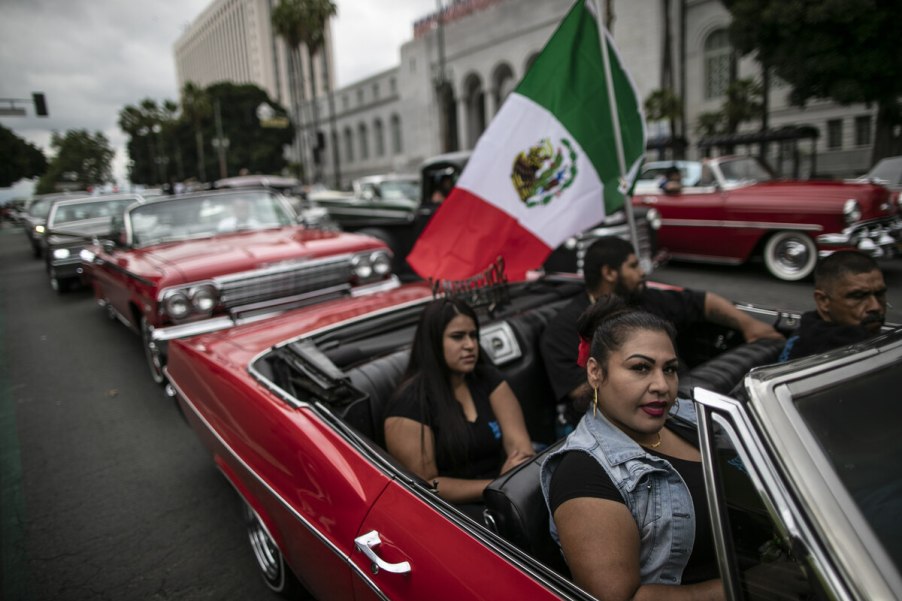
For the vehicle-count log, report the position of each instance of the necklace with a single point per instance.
(653, 445)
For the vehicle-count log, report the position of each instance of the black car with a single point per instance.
(396, 209)
(71, 225)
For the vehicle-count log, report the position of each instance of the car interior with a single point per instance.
(356, 368)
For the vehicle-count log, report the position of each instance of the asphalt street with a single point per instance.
(105, 492)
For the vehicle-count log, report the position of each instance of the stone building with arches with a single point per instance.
(455, 73)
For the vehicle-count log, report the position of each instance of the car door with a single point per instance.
(417, 550)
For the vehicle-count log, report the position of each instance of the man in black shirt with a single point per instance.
(850, 300)
(611, 267)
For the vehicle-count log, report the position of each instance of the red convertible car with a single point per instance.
(189, 264)
(291, 410)
(732, 209)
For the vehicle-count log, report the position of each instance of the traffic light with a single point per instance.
(40, 104)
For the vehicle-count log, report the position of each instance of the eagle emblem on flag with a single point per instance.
(544, 171)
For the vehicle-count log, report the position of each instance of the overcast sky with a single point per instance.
(93, 57)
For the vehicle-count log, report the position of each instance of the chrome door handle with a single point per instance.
(371, 539)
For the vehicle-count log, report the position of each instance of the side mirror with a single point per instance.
(108, 246)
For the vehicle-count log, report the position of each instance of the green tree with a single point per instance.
(664, 105)
(18, 158)
(288, 22)
(251, 146)
(742, 103)
(196, 109)
(841, 50)
(82, 159)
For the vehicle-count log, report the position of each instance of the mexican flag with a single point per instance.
(546, 168)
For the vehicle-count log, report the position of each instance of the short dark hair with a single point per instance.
(609, 251)
(842, 263)
(607, 323)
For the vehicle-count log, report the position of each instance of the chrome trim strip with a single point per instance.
(300, 518)
(706, 449)
(760, 225)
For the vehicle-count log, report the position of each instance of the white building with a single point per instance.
(391, 121)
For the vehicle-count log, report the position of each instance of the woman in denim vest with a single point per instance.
(626, 491)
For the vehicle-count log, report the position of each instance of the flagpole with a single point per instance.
(615, 122)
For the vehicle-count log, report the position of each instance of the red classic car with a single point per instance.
(196, 263)
(732, 209)
(291, 410)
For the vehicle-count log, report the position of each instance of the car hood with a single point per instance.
(86, 229)
(193, 260)
(816, 197)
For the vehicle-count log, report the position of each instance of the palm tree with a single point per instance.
(313, 34)
(288, 21)
(195, 108)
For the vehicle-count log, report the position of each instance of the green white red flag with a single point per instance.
(540, 171)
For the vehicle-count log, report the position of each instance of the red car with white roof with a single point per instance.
(732, 209)
(190, 264)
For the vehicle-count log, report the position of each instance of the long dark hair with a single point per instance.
(429, 378)
(608, 322)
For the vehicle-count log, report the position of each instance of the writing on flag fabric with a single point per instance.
(545, 169)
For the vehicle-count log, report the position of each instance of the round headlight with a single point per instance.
(361, 266)
(86, 255)
(61, 253)
(177, 305)
(851, 211)
(39, 229)
(204, 299)
(381, 263)
(653, 216)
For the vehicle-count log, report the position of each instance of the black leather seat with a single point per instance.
(516, 510)
(722, 373)
(378, 380)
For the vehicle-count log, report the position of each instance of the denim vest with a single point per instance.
(653, 490)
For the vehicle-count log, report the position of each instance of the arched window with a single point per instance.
(379, 137)
(396, 142)
(717, 63)
(349, 145)
(474, 99)
(363, 134)
(503, 83)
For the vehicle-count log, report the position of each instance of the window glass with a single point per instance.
(858, 425)
(717, 63)
(834, 134)
(863, 130)
(765, 565)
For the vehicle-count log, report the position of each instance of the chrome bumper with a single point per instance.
(879, 239)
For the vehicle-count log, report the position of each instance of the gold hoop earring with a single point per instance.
(595, 400)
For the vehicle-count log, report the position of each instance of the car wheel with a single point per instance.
(60, 286)
(269, 559)
(152, 352)
(790, 256)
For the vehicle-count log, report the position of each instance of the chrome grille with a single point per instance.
(279, 283)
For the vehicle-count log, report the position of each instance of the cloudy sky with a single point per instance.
(93, 57)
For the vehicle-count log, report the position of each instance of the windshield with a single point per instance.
(744, 170)
(40, 208)
(858, 424)
(68, 213)
(207, 215)
(399, 190)
(888, 170)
